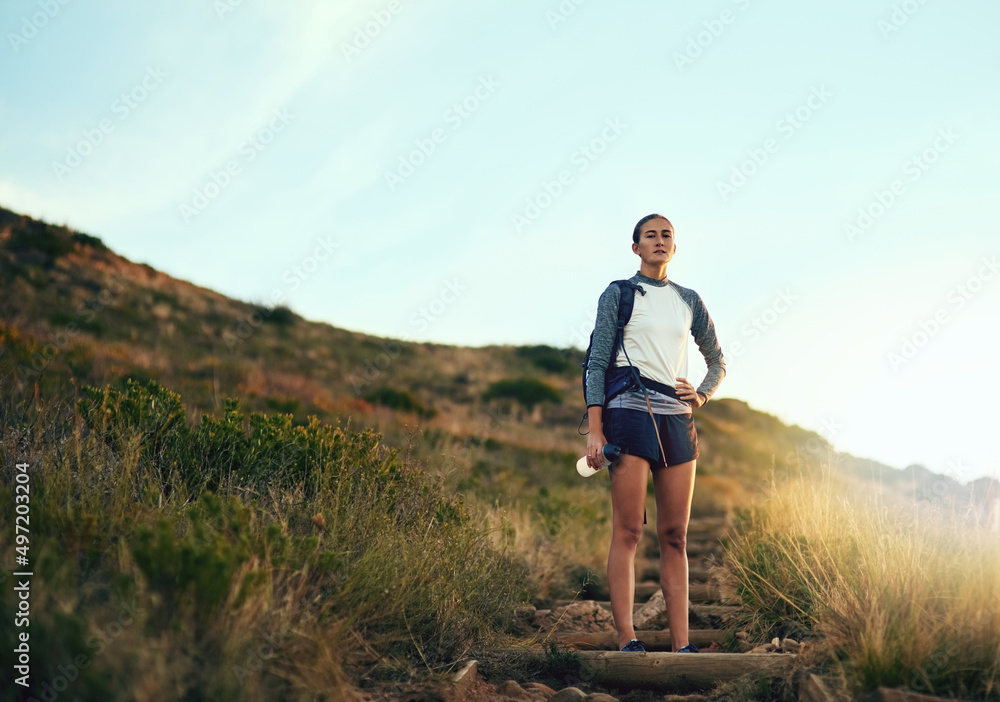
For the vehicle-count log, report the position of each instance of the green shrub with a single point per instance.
(222, 534)
(280, 316)
(528, 391)
(195, 570)
(549, 359)
(89, 240)
(285, 405)
(62, 318)
(44, 238)
(399, 400)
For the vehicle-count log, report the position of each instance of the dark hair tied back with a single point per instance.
(638, 227)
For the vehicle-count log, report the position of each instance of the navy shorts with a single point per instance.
(633, 431)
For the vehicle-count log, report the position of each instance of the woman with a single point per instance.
(657, 434)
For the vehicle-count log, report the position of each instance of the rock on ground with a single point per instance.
(586, 616)
(569, 694)
(539, 690)
(513, 691)
(649, 616)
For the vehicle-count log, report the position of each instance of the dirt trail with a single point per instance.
(606, 674)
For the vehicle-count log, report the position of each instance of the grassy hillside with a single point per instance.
(494, 418)
(499, 422)
(81, 311)
(286, 507)
(239, 558)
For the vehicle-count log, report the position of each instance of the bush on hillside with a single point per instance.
(399, 400)
(88, 240)
(220, 537)
(48, 239)
(528, 391)
(549, 359)
(280, 316)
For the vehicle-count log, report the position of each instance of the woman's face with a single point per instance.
(656, 242)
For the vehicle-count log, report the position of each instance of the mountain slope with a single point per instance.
(72, 310)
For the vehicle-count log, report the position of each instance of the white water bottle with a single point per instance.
(611, 454)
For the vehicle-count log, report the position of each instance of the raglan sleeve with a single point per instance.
(605, 327)
(703, 331)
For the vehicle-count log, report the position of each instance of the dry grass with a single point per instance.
(902, 594)
(281, 585)
(561, 564)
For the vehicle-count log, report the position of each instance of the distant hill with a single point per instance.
(498, 420)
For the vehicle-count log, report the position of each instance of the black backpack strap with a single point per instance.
(626, 303)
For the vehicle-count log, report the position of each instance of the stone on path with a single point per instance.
(884, 694)
(539, 690)
(569, 694)
(513, 691)
(648, 615)
(584, 616)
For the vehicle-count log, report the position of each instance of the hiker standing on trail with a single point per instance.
(650, 420)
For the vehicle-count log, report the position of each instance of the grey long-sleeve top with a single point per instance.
(656, 340)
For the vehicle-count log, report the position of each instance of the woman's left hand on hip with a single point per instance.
(686, 392)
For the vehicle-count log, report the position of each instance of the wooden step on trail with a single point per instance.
(674, 672)
(653, 640)
(592, 644)
(696, 548)
(697, 592)
(712, 526)
(696, 574)
(703, 610)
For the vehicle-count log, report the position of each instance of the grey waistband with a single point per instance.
(661, 404)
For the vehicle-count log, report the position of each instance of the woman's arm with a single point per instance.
(703, 331)
(605, 328)
(601, 349)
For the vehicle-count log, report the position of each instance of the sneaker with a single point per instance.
(690, 648)
(634, 646)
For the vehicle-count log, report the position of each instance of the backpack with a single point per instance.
(615, 381)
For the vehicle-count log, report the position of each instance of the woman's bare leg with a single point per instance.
(674, 486)
(628, 500)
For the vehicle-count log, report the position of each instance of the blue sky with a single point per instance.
(357, 160)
